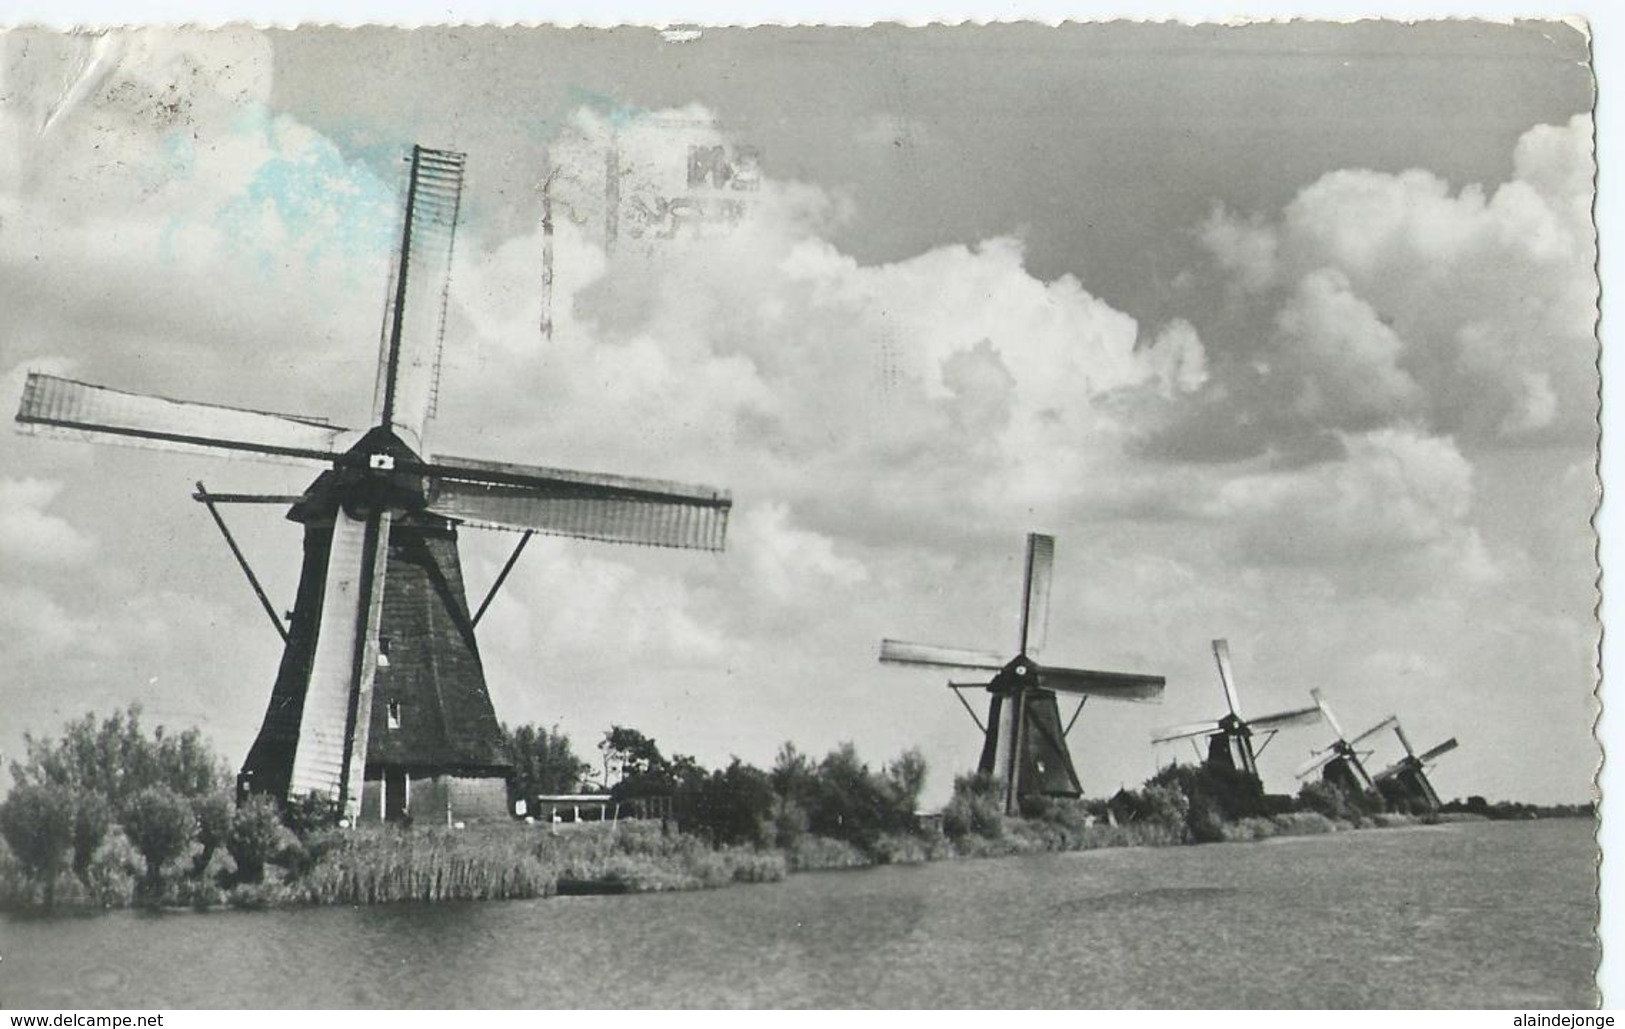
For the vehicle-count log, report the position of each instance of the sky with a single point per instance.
(1286, 333)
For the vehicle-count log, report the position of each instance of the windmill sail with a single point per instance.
(1444, 748)
(1283, 719)
(1035, 596)
(1227, 676)
(931, 655)
(614, 508)
(1114, 685)
(415, 326)
(54, 406)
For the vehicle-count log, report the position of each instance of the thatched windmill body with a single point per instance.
(380, 701)
(1232, 742)
(1024, 741)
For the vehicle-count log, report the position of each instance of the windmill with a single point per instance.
(1408, 775)
(1342, 760)
(380, 681)
(1024, 742)
(1230, 739)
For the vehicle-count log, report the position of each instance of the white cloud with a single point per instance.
(29, 534)
(1471, 310)
(1395, 512)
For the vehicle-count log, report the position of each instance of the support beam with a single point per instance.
(1073, 721)
(966, 704)
(246, 498)
(502, 577)
(208, 501)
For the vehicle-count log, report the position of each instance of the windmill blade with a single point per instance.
(1404, 741)
(1315, 763)
(1285, 719)
(1185, 732)
(1035, 592)
(1392, 770)
(1326, 712)
(326, 758)
(1227, 676)
(1386, 723)
(54, 406)
(1444, 748)
(897, 652)
(416, 321)
(1106, 685)
(587, 505)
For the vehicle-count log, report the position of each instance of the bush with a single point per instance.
(110, 880)
(257, 837)
(312, 813)
(975, 809)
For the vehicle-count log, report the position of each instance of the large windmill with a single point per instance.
(1230, 739)
(1343, 760)
(1408, 775)
(380, 682)
(1024, 742)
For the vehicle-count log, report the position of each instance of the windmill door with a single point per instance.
(396, 800)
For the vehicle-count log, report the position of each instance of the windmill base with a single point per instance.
(395, 796)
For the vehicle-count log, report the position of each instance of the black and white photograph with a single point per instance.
(1089, 515)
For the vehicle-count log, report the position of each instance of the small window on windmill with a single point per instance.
(394, 714)
(383, 652)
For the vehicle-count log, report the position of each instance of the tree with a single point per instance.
(116, 759)
(734, 805)
(37, 821)
(160, 823)
(851, 803)
(92, 817)
(643, 771)
(793, 775)
(543, 761)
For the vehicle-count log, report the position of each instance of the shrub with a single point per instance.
(975, 809)
(110, 880)
(257, 837)
(312, 813)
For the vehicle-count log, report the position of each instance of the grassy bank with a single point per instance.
(507, 861)
(112, 816)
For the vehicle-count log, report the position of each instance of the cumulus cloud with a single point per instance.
(29, 534)
(1395, 511)
(1394, 298)
(745, 347)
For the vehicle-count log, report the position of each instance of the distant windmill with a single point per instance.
(1409, 776)
(1343, 761)
(1230, 739)
(381, 681)
(1024, 742)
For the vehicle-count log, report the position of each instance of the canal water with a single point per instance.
(1495, 915)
